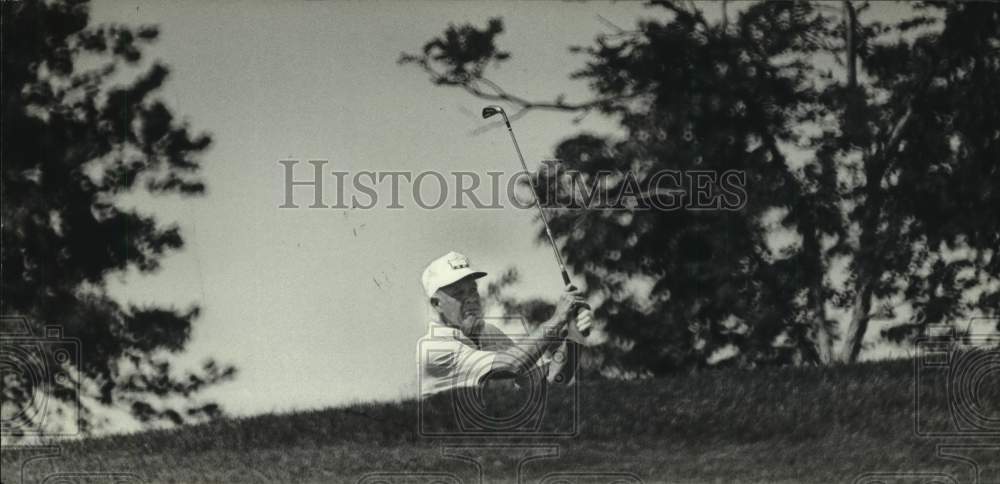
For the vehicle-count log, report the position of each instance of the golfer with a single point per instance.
(461, 350)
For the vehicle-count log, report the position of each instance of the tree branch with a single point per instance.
(692, 15)
(497, 94)
(852, 57)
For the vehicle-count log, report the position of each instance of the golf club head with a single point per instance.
(490, 111)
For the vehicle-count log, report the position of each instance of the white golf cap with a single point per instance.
(445, 270)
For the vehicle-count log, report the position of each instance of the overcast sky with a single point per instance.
(323, 306)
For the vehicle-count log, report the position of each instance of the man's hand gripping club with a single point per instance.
(571, 312)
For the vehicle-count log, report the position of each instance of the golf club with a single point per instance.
(490, 111)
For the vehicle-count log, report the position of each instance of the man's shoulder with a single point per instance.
(488, 337)
(437, 330)
(441, 336)
(492, 337)
(489, 329)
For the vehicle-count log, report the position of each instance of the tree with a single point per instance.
(73, 144)
(682, 289)
(922, 135)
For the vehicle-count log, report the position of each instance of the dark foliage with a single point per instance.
(887, 167)
(73, 142)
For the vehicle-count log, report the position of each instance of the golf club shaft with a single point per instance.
(545, 221)
(493, 110)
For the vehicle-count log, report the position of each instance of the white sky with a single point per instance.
(321, 306)
(289, 295)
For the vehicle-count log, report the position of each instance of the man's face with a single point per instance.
(459, 305)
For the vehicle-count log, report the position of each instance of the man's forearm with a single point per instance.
(522, 355)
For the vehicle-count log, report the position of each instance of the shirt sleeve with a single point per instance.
(462, 364)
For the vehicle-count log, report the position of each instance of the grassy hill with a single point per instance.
(809, 425)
